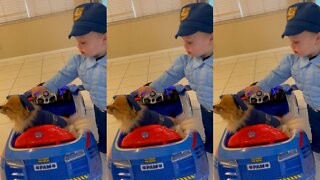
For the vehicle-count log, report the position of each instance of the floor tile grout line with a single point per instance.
(41, 71)
(255, 67)
(148, 72)
(15, 79)
(229, 77)
(123, 77)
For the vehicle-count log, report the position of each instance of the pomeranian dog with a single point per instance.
(238, 115)
(132, 115)
(26, 115)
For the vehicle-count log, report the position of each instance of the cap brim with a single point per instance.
(82, 30)
(292, 29)
(185, 31)
(78, 32)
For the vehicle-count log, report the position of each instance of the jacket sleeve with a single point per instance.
(67, 74)
(171, 76)
(278, 75)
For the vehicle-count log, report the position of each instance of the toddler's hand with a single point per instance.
(145, 90)
(35, 91)
(251, 90)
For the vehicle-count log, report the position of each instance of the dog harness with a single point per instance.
(45, 117)
(260, 117)
(42, 117)
(149, 117)
(255, 116)
(152, 117)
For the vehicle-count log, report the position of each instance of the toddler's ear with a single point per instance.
(318, 36)
(211, 37)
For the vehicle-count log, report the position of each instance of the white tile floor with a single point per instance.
(18, 75)
(234, 73)
(128, 74)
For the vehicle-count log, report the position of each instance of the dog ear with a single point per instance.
(239, 102)
(133, 103)
(26, 103)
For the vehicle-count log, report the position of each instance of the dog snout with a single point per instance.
(109, 108)
(2, 110)
(216, 108)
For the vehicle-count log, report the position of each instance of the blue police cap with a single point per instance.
(304, 16)
(195, 17)
(89, 17)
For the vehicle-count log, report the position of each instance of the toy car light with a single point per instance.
(181, 155)
(194, 140)
(229, 163)
(15, 164)
(87, 140)
(74, 155)
(122, 164)
(301, 139)
(287, 155)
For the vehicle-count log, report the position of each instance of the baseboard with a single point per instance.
(144, 54)
(38, 54)
(251, 54)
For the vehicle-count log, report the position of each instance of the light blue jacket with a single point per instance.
(92, 74)
(306, 74)
(199, 74)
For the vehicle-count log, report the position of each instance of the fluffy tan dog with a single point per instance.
(239, 115)
(132, 115)
(26, 115)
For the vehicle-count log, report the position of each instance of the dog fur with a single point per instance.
(23, 119)
(236, 118)
(130, 118)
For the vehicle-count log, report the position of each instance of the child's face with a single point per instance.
(305, 44)
(92, 44)
(198, 44)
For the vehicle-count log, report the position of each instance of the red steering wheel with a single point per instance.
(256, 135)
(149, 136)
(42, 136)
